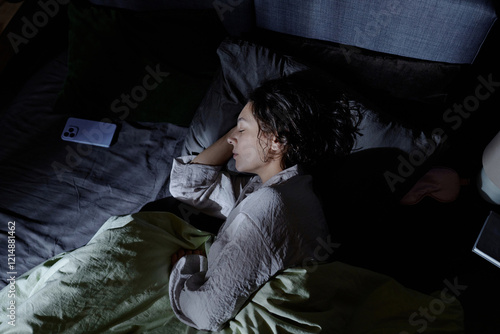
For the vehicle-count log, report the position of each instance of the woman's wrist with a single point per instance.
(216, 154)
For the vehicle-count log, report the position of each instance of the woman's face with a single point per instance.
(253, 152)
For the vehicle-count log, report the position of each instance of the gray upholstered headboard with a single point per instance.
(438, 30)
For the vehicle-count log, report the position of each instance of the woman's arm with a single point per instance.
(240, 264)
(201, 183)
(216, 154)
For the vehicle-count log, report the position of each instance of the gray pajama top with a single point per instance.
(268, 227)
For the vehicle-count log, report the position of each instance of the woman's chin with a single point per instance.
(240, 168)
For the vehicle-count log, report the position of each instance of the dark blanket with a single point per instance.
(60, 193)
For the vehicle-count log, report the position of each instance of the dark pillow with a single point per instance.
(139, 66)
(245, 65)
(379, 76)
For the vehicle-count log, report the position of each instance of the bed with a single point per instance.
(173, 76)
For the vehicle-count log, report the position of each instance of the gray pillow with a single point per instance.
(245, 65)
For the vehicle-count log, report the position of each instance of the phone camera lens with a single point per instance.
(66, 134)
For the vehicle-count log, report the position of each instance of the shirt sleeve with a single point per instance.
(206, 188)
(207, 297)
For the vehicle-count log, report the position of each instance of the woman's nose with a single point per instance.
(231, 139)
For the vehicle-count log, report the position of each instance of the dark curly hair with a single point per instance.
(308, 115)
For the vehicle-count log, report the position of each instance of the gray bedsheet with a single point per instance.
(59, 193)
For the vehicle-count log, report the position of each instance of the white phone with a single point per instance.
(88, 132)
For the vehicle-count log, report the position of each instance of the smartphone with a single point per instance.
(88, 132)
(488, 242)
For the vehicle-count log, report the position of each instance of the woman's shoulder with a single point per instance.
(286, 209)
(263, 197)
(292, 194)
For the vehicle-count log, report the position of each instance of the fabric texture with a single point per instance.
(281, 218)
(117, 283)
(60, 193)
(417, 29)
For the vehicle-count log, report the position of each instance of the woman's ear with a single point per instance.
(276, 145)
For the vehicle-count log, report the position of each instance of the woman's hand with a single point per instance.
(183, 252)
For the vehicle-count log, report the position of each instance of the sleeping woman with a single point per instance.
(120, 281)
(273, 218)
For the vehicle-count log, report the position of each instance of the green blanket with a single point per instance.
(118, 283)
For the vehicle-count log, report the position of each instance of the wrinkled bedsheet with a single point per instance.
(58, 193)
(118, 283)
